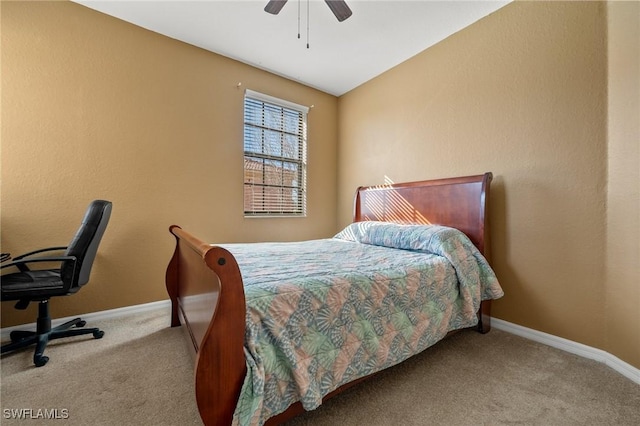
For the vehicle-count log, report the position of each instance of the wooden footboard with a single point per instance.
(207, 294)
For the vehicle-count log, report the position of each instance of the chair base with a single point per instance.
(44, 333)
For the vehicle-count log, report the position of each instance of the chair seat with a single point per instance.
(31, 284)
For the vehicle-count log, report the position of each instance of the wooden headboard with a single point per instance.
(459, 202)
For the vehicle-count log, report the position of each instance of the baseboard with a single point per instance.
(566, 345)
(579, 349)
(93, 316)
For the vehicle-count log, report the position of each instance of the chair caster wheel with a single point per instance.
(98, 334)
(40, 361)
(81, 324)
(18, 335)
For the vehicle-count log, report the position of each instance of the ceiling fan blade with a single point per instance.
(339, 8)
(274, 6)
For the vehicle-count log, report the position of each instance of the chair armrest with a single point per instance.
(21, 264)
(39, 251)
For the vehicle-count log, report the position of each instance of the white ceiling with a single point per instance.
(341, 55)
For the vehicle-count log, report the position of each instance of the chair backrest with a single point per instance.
(84, 245)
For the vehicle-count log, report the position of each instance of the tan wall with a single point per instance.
(93, 107)
(106, 109)
(623, 187)
(521, 93)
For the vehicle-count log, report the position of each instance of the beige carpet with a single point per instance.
(140, 373)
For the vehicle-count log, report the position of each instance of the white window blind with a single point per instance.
(275, 156)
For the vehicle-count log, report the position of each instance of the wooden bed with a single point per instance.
(206, 290)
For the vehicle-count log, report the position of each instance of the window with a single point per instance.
(275, 156)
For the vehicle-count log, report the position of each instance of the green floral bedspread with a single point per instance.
(322, 313)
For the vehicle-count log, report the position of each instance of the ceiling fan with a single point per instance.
(338, 7)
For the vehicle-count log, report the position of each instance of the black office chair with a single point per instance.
(39, 285)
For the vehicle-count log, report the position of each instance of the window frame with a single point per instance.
(268, 102)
